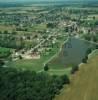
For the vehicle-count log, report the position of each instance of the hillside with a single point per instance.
(84, 85)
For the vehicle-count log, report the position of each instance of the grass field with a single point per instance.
(34, 65)
(84, 84)
(60, 71)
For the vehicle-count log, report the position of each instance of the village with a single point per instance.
(48, 50)
(39, 34)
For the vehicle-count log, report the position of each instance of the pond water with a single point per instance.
(73, 51)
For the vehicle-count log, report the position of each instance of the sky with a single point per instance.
(41, 0)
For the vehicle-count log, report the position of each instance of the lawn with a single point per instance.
(34, 65)
(84, 84)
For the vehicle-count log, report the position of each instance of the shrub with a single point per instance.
(46, 67)
(74, 69)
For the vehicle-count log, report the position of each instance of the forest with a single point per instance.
(28, 85)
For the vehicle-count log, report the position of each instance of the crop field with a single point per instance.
(84, 84)
(38, 27)
(91, 16)
(8, 28)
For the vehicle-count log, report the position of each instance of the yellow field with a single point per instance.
(94, 15)
(84, 84)
(7, 28)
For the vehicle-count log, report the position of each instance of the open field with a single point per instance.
(84, 84)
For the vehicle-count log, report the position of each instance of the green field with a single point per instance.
(84, 84)
(4, 52)
(60, 71)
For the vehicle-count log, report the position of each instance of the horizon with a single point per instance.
(46, 1)
(14, 3)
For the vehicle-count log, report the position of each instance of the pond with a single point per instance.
(72, 53)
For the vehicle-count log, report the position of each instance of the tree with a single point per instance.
(74, 69)
(46, 67)
(65, 79)
(51, 25)
(84, 60)
(20, 57)
(1, 63)
(94, 17)
(89, 50)
(96, 46)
